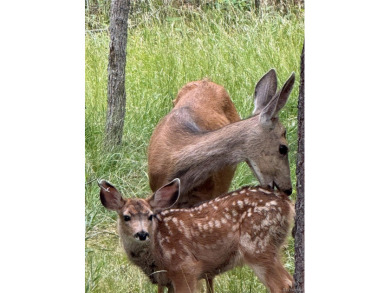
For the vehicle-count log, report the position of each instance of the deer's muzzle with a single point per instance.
(142, 236)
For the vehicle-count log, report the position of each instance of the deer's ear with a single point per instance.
(110, 197)
(277, 102)
(285, 92)
(166, 196)
(265, 90)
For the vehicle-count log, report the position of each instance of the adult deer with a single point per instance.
(247, 226)
(205, 160)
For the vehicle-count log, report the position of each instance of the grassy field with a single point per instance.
(165, 50)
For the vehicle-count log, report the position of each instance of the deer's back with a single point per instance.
(209, 103)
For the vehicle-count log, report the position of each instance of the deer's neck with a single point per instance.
(212, 151)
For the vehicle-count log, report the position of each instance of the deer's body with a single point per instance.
(201, 141)
(200, 106)
(247, 226)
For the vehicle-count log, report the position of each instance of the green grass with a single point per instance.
(166, 49)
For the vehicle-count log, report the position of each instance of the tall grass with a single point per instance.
(166, 49)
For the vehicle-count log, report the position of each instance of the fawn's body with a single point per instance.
(247, 226)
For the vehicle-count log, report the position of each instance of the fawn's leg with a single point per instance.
(209, 284)
(170, 289)
(269, 277)
(184, 283)
(270, 271)
(274, 277)
(288, 281)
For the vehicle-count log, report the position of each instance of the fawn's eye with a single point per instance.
(150, 217)
(283, 149)
(126, 218)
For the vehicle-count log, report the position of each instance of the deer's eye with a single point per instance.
(283, 149)
(150, 217)
(126, 218)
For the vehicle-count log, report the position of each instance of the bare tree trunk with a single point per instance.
(299, 229)
(116, 100)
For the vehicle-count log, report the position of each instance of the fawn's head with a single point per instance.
(268, 154)
(135, 215)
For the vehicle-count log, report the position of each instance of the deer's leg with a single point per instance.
(269, 277)
(288, 281)
(273, 276)
(270, 271)
(160, 289)
(209, 284)
(184, 283)
(170, 289)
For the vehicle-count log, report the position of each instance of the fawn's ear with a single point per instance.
(110, 197)
(166, 196)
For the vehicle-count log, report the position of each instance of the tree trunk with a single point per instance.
(299, 229)
(116, 100)
(257, 6)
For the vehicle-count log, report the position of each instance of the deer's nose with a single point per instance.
(288, 191)
(142, 235)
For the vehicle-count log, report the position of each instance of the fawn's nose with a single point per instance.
(288, 191)
(142, 235)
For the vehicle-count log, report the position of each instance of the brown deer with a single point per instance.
(247, 226)
(205, 161)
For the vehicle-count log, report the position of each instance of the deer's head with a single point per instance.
(135, 215)
(268, 156)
